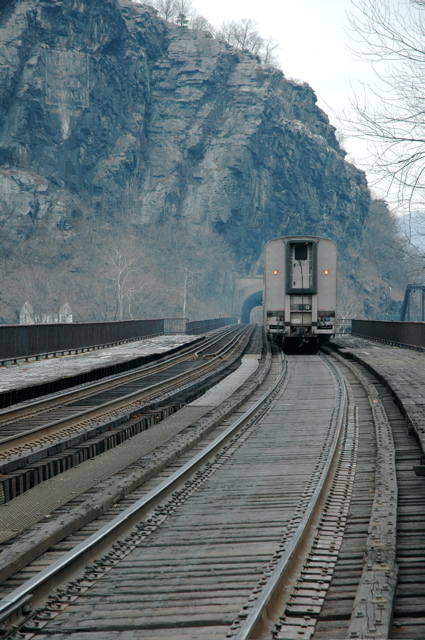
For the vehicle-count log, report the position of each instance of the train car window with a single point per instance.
(301, 267)
(300, 252)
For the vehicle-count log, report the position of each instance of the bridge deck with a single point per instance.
(26, 374)
(401, 369)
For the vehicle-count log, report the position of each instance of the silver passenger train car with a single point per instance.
(300, 291)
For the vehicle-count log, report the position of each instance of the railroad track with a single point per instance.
(377, 586)
(400, 550)
(250, 529)
(285, 532)
(50, 435)
(19, 423)
(17, 555)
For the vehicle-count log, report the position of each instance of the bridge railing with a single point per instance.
(41, 340)
(175, 325)
(409, 334)
(26, 340)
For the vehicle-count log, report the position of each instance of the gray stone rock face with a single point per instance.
(103, 100)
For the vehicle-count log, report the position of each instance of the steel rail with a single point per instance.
(8, 414)
(370, 611)
(18, 604)
(264, 608)
(112, 406)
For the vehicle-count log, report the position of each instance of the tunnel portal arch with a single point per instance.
(252, 301)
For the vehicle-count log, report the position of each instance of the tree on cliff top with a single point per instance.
(241, 34)
(179, 11)
(393, 119)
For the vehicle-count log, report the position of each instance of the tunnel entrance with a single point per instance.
(252, 301)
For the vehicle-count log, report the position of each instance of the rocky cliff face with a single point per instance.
(103, 103)
(74, 89)
(112, 119)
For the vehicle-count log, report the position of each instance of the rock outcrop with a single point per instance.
(105, 105)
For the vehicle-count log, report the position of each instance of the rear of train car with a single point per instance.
(300, 291)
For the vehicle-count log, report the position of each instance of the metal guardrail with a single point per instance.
(25, 341)
(409, 334)
(175, 325)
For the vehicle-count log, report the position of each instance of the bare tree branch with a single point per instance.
(392, 117)
(196, 21)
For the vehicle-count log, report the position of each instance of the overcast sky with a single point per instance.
(313, 48)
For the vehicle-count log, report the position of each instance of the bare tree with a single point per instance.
(166, 8)
(193, 270)
(268, 51)
(392, 115)
(178, 11)
(247, 37)
(183, 11)
(38, 286)
(124, 266)
(241, 34)
(196, 21)
(349, 305)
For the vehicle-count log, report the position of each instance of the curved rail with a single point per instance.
(126, 401)
(370, 611)
(264, 607)
(187, 351)
(18, 604)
